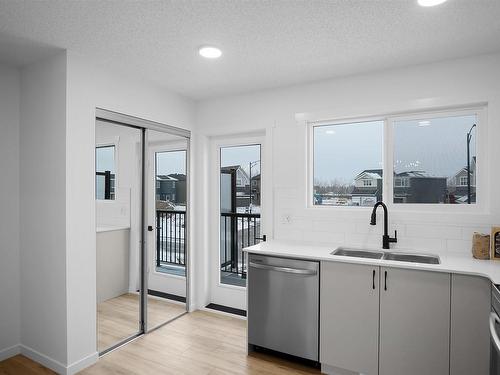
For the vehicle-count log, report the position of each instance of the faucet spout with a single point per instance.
(386, 240)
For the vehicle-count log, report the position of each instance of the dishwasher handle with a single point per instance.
(493, 332)
(297, 271)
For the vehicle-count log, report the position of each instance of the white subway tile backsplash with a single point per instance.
(459, 246)
(332, 238)
(421, 244)
(363, 240)
(467, 232)
(353, 228)
(433, 231)
(366, 228)
(332, 226)
(285, 233)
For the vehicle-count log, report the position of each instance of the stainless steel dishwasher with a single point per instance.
(495, 331)
(283, 305)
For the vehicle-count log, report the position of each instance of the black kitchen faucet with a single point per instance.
(386, 240)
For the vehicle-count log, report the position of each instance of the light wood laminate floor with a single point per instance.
(118, 318)
(199, 343)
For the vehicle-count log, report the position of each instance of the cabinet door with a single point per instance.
(470, 334)
(349, 316)
(414, 322)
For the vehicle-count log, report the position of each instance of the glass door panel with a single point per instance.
(167, 218)
(240, 203)
(119, 226)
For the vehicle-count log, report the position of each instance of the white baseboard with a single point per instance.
(10, 352)
(82, 363)
(56, 365)
(43, 360)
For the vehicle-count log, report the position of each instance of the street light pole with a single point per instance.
(250, 205)
(469, 137)
(251, 193)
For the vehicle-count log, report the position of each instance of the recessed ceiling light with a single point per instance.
(430, 3)
(210, 52)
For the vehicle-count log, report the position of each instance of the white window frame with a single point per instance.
(481, 177)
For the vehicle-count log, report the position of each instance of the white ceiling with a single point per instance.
(265, 44)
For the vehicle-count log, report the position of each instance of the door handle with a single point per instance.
(494, 319)
(373, 280)
(150, 228)
(263, 238)
(385, 280)
(297, 271)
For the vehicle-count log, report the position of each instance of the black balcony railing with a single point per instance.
(170, 238)
(238, 230)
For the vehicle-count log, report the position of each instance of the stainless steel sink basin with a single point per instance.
(358, 253)
(412, 257)
(387, 255)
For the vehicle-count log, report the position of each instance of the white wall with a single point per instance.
(42, 209)
(9, 212)
(448, 83)
(90, 87)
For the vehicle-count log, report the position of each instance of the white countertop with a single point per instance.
(452, 263)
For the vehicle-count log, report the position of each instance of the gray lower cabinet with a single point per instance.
(414, 322)
(349, 313)
(386, 321)
(470, 335)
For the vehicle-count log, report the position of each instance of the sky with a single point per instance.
(171, 162)
(436, 146)
(241, 155)
(175, 161)
(343, 151)
(105, 159)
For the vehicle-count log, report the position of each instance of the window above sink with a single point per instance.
(421, 161)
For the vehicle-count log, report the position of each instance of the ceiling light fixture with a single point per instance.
(210, 52)
(430, 3)
(424, 123)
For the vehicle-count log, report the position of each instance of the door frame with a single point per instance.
(219, 293)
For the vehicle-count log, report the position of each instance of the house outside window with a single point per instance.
(429, 159)
(431, 152)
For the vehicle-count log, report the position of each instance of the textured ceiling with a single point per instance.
(265, 43)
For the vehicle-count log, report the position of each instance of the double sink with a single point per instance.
(387, 255)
